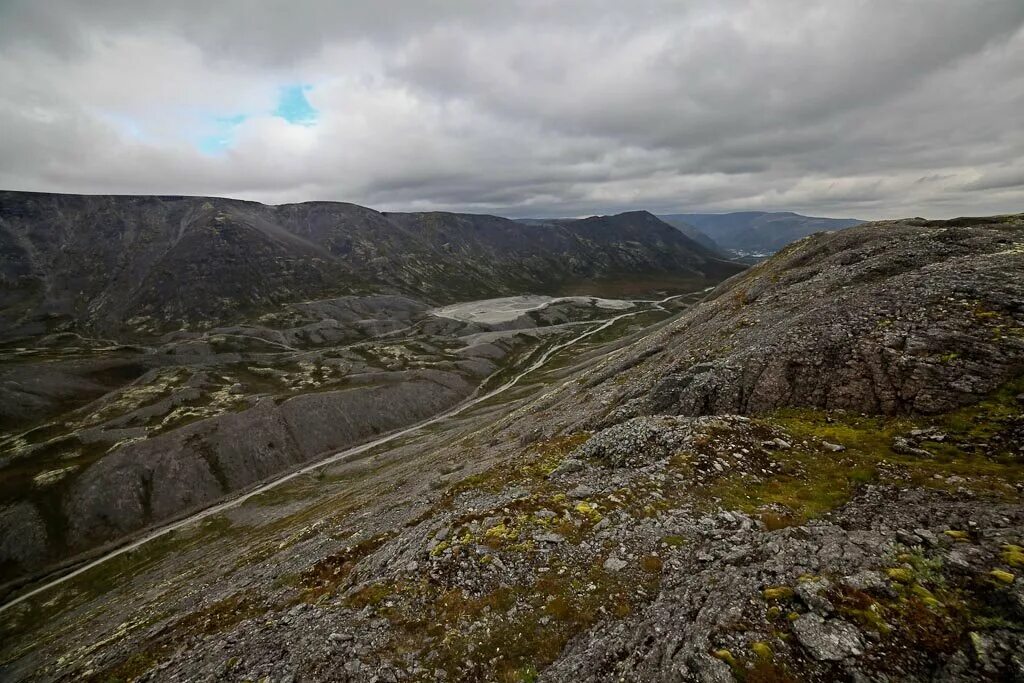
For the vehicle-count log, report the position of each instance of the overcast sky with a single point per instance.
(845, 108)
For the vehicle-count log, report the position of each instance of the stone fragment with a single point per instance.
(614, 564)
(828, 640)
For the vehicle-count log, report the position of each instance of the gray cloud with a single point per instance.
(873, 109)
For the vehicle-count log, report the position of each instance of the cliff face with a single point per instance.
(142, 265)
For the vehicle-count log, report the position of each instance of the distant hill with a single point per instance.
(752, 232)
(147, 264)
(698, 236)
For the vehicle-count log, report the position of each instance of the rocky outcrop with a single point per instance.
(894, 317)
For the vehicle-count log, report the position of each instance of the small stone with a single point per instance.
(834, 447)
(614, 564)
(581, 491)
(548, 538)
(830, 640)
(812, 593)
(907, 538)
(904, 446)
(568, 466)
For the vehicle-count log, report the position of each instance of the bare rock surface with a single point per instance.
(902, 316)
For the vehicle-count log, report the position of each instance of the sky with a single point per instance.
(525, 108)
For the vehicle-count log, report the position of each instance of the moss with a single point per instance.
(810, 480)
(371, 595)
(673, 541)
(500, 533)
(762, 650)
(510, 631)
(214, 618)
(957, 535)
(1013, 555)
(726, 656)
(651, 564)
(588, 510)
(538, 462)
(773, 521)
(778, 593)
(767, 671)
(1001, 576)
(900, 574)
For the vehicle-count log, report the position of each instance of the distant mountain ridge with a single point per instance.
(693, 233)
(756, 231)
(146, 264)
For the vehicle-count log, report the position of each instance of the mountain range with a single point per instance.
(752, 232)
(141, 265)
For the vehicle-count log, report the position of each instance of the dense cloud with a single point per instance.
(527, 108)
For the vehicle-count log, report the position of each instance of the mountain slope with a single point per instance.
(143, 265)
(758, 231)
(860, 518)
(692, 232)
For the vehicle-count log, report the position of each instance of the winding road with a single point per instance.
(341, 456)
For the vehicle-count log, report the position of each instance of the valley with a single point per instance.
(539, 358)
(65, 479)
(810, 468)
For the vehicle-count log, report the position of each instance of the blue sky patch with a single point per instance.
(293, 107)
(219, 131)
(223, 135)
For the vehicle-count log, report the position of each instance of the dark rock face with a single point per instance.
(143, 265)
(897, 317)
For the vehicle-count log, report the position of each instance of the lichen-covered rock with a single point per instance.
(640, 441)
